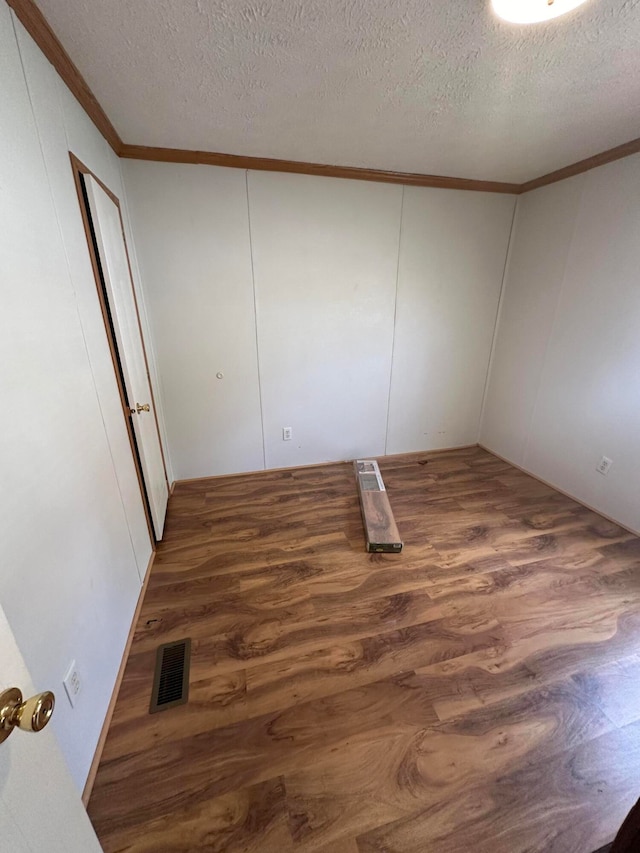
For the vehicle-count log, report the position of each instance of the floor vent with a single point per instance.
(171, 678)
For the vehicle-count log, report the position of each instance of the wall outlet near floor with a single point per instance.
(72, 684)
(603, 465)
(287, 433)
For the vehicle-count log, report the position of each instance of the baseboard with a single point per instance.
(256, 473)
(421, 453)
(321, 464)
(562, 491)
(93, 770)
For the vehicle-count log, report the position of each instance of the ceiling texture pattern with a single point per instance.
(440, 87)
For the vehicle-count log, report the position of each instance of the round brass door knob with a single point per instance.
(143, 408)
(30, 715)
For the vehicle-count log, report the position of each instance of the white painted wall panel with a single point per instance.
(589, 397)
(325, 262)
(93, 150)
(47, 93)
(68, 575)
(452, 256)
(311, 264)
(87, 143)
(541, 237)
(191, 229)
(587, 402)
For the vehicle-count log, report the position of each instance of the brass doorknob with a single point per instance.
(143, 408)
(30, 715)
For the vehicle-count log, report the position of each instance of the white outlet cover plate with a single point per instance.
(72, 684)
(604, 465)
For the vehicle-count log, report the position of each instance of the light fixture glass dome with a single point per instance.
(532, 11)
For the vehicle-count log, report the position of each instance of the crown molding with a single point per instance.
(38, 28)
(265, 164)
(617, 153)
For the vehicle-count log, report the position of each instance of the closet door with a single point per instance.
(131, 358)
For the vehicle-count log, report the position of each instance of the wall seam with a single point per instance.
(255, 321)
(494, 339)
(554, 323)
(395, 323)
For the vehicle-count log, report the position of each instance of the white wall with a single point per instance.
(69, 580)
(313, 269)
(564, 387)
(452, 258)
(325, 258)
(192, 241)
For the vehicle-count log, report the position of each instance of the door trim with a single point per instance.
(79, 169)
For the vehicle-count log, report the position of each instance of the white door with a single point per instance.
(40, 808)
(107, 225)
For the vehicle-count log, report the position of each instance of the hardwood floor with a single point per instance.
(478, 692)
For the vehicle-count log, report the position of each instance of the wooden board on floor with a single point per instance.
(380, 529)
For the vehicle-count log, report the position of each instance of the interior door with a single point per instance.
(40, 808)
(107, 225)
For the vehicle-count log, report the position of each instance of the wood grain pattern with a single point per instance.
(38, 28)
(380, 529)
(477, 693)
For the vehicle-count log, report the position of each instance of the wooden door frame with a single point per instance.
(79, 169)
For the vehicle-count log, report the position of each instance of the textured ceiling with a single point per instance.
(433, 86)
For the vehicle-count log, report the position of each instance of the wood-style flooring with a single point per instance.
(478, 693)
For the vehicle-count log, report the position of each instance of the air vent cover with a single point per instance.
(171, 678)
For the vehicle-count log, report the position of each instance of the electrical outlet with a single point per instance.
(72, 684)
(603, 465)
(287, 433)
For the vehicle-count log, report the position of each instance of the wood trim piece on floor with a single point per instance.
(38, 28)
(617, 153)
(561, 491)
(323, 464)
(91, 778)
(266, 164)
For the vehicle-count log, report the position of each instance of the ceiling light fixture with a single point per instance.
(533, 11)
